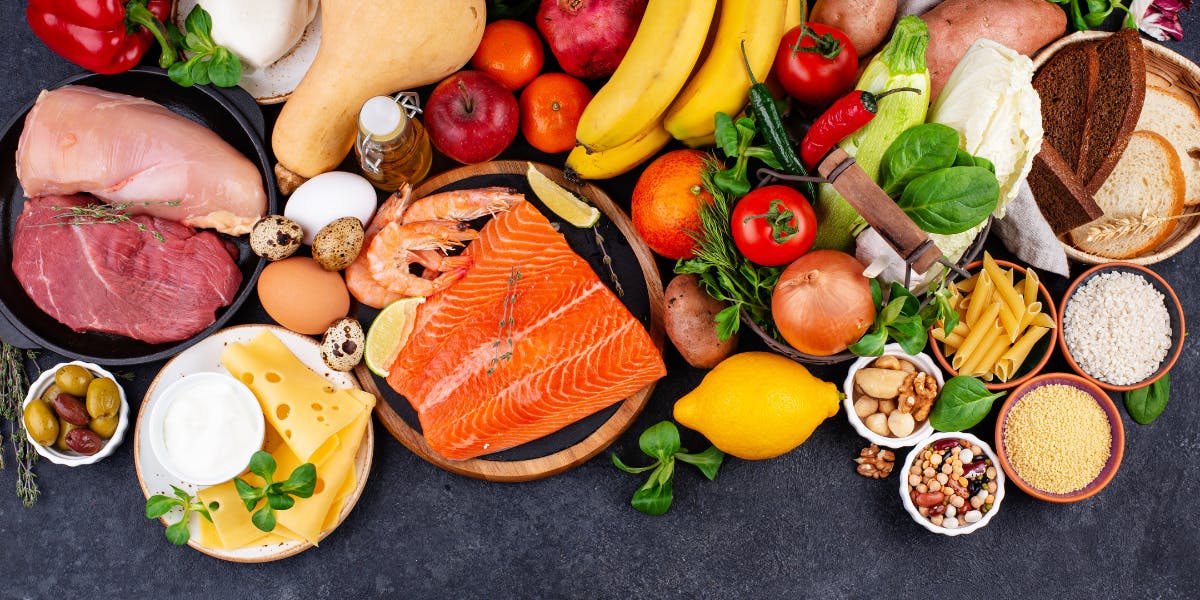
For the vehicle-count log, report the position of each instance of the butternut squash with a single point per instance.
(368, 48)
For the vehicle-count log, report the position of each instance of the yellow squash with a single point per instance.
(368, 48)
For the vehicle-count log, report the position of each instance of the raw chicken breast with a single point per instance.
(126, 149)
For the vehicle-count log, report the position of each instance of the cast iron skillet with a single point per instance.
(231, 114)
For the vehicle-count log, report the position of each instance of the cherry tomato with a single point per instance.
(773, 225)
(807, 74)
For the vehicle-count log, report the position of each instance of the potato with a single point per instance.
(865, 22)
(1023, 25)
(689, 322)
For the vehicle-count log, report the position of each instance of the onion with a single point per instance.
(823, 303)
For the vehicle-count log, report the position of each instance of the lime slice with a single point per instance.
(389, 333)
(566, 205)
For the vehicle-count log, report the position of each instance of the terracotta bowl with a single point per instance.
(1117, 430)
(1174, 309)
(1037, 357)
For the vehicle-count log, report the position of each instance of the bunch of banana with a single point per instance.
(646, 102)
(663, 53)
(722, 84)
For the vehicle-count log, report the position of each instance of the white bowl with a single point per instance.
(71, 458)
(237, 465)
(923, 363)
(912, 509)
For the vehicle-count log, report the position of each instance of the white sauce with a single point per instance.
(209, 430)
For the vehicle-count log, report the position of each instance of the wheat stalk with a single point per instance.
(1116, 227)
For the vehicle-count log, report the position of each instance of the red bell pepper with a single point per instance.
(104, 36)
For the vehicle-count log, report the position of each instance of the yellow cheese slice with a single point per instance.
(231, 519)
(298, 402)
(308, 516)
(343, 494)
(209, 537)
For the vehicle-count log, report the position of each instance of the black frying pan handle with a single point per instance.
(245, 104)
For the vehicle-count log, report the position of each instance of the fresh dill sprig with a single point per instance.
(110, 214)
(507, 321)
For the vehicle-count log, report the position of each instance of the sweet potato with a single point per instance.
(1023, 25)
(689, 323)
(865, 22)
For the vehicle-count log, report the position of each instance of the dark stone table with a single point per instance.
(802, 525)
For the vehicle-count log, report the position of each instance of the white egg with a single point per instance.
(328, 197)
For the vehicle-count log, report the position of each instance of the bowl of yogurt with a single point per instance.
(205, 427)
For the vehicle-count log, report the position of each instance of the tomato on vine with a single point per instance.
(817, 66)
(773, 225)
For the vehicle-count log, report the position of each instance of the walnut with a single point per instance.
(874, 462)
(917, 394)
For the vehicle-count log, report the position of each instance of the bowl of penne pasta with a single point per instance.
(1006, 328)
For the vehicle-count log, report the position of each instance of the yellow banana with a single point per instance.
(609, 163)
(660, 58)
(792, 16)
(721, 84)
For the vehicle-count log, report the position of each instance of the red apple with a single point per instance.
(471, 117)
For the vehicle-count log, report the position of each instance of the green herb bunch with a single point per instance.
(279, 495)
(159, 505)
(209, 62)
(661, 442)
(14, 382)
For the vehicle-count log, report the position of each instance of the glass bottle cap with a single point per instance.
(381, 117)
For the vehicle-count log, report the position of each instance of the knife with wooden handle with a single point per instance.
(880, 211)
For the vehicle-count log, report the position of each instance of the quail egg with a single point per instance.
(275, 237)
(342, 345)
(338, 243)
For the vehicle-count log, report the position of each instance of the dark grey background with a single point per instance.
(802, 525)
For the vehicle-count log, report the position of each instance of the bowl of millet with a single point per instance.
(1060, 438)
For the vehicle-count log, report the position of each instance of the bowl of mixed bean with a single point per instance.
(952, 483)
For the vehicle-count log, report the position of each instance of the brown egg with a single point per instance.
(302, 296)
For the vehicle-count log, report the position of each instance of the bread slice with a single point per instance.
(1115, 106)
(1147, 182)
(1066, 84)
(1177, 119)
(1059, 193)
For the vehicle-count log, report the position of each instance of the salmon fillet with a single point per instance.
(575, 349)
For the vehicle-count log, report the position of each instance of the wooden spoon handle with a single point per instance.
(880, 211)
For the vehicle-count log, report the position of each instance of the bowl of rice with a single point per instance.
(1121, 326)
(1060, 438)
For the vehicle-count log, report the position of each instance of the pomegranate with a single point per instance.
(589, 37)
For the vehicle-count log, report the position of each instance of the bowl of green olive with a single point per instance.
(75, 414)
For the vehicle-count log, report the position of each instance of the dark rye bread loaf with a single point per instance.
(1066, 84)
(1092, 94)
(1059, 193)
(1115, 107)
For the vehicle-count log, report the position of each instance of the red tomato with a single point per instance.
(806, 74)
(773, 225)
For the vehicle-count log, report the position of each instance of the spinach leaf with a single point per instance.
(963, 159)
(964, 402)
(1146, 403)
(985, 163)
(920, 150)
(951, 200)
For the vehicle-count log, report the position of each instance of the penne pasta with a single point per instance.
(978, 298)
(1004, 288)
(968, 284)
(976, 364)
(1031, 286)
(1043, 320)
(975, 337)
(994, 352)
(1014, 357)
(1010, 322)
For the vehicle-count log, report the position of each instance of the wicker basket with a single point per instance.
(1167, 69)
(972, 253)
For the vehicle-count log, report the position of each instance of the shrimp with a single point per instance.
(397, 246)
(462, 205)
(359, 280)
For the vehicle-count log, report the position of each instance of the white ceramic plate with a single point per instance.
(206, 357)
(276, 82)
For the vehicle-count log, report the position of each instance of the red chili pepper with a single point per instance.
(849, 114)
(104, 36)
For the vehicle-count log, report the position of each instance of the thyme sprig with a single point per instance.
(14, 382)
(608, 262)
(507, 322)
(109, 214)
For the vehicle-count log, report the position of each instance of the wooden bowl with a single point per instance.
(1117, 430)
(1174, 309)
(1166, 69)
(1043, 349)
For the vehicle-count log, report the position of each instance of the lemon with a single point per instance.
(757, 405)
(560, 200)
(389, 333)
